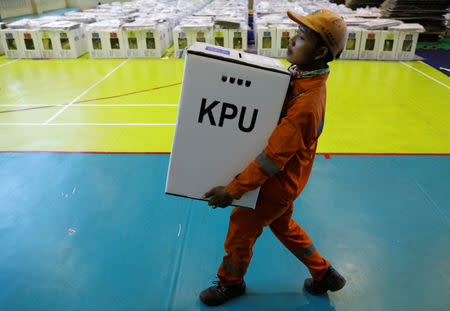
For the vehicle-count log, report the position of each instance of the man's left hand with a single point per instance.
(219, 197)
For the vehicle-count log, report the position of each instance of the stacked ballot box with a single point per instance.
(62, 39)
(230, 103)
(408, 35)
(106, 40)
(146, 38)
(231, 38)
(191, 31)
(284, 34)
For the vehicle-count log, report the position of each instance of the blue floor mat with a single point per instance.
(437, 58)
(382, 221)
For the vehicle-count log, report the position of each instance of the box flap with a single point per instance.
(235, 56)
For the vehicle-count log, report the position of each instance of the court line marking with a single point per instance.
(87, 124)
(82, 94)
(52, 106)
(443, 84)
(35, 107)
(427, 196)
(130, 93)
(13, 61)
(167, 152)
(93, 105)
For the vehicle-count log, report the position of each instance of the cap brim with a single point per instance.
(300, 19)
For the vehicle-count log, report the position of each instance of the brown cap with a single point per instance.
(328, 24)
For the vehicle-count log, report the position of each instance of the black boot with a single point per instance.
(332, 280)
(218, 294)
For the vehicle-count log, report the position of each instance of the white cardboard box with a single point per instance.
(23, 35)
(105, 39)
(284, 34)
(12, 43)
(370, 41)
(266, 40)
(231, 38)
(351, 50)
(143, 39)
(387, 48)
(221, 37)
(186, 35)
(2, 49)
(30, 40)
(407, 42)
(238, 38)
(47, 43)
(63, 39)
(230, 103)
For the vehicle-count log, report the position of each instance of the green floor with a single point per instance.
(97, 232)
(119, 105)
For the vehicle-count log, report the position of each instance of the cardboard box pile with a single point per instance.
(362, 3)
(428, 13)
(226, 115)
(119, 30)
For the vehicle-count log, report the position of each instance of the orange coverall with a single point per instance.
(282, 170)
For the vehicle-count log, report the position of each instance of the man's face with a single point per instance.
(301, 47)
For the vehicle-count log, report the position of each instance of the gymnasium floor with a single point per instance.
(85, 223)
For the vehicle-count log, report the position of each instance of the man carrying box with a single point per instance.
(283, 168)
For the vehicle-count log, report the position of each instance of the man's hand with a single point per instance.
(219, 197)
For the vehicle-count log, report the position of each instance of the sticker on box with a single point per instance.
(217, 50)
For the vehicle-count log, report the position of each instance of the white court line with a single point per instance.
(87, 124)
(94, 105)
(425, 75)
(82, 94)
(13, 61)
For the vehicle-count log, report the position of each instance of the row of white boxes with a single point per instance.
(119, 30)
(143, 38)
(64, 39)
(106, 39)
(397, 43)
